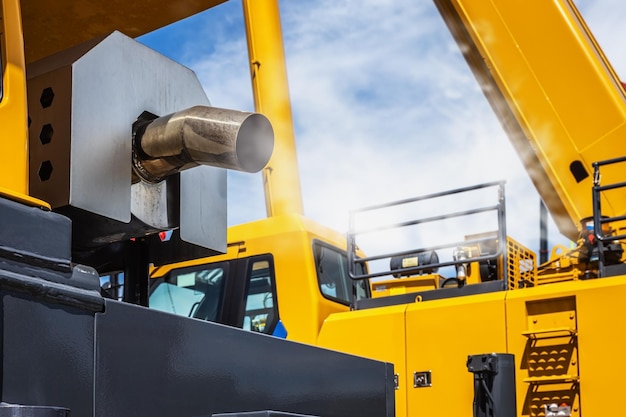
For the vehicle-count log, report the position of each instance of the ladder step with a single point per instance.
(552, 379)
(548, 333)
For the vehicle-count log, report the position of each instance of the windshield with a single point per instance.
(193, 293)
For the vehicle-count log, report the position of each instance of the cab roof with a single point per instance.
(52, 26)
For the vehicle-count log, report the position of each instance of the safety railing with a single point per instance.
(497, 209)
(602, 230)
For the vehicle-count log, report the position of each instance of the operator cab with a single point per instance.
(283, 277)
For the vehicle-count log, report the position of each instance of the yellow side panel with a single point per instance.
(585, 366)
(545, 351)
(299, 299)
(553, 90)
(385, 288)
(375, 333)
(601, 341)
(440, 336)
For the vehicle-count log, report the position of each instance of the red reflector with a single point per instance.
(163, 236)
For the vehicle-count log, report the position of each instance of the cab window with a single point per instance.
(261, 312)
(239, 293)
(332, 275)
(112, 285)
(193, 292)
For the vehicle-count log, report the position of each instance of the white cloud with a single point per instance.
(384, 107)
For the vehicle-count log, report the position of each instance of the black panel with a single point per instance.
(114, 256)
(12, 410)
(156, 364)
(614, 270)
(494, 384)
(58, 353)
(31, 230)
(152, 363)
(265, 413)
(438, 294)
(47, 355)
(175, 250)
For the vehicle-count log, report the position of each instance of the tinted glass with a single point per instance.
(332, 275)
(193, 293)
(261, 313)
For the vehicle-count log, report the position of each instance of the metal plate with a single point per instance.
(186, 367)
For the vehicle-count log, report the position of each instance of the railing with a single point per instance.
(500, 235)
(599, 220)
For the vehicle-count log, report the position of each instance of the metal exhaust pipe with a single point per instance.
(201, 135)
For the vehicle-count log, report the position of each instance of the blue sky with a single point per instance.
(384, 105)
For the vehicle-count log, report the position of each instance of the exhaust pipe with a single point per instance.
(200, 135)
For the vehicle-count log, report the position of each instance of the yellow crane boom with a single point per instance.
(561, 104)
(271, 98)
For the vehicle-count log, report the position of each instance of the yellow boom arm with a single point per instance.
(271, 98)
(554, 92)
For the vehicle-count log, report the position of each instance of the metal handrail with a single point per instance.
(427, 220)
(422, 250)
(499, 208)
(598, 218)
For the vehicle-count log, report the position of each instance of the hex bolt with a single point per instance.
(47, 95)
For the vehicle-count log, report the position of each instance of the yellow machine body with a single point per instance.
(559, 334)
(563, 108)
(388, 287)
